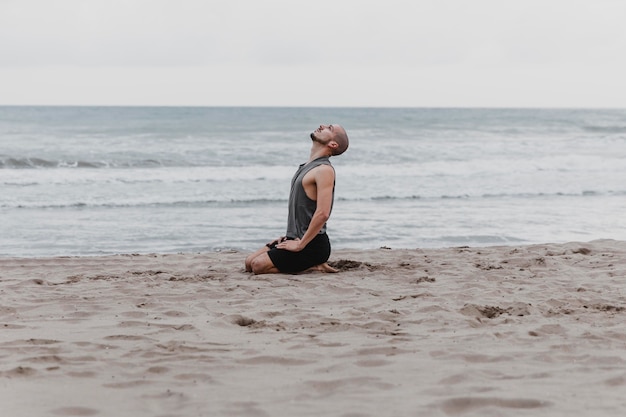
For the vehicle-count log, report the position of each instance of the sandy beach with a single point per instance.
(500, 331)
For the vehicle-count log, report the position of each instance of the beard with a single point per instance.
(319, 140)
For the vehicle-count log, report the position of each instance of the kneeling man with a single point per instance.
(306, 245)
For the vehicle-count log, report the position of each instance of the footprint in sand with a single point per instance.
(74, 411)
(462, 405)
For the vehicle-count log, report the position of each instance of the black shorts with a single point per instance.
(315, 253)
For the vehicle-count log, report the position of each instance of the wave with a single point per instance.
(142, 204)
(604, 129)
(586, 193)
(258, 202)
(143, 175)
(38, 163)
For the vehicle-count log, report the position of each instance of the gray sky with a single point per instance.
(540, 53)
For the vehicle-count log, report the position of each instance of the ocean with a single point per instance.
(108, 180)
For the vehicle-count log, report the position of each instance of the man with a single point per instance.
(305, 245)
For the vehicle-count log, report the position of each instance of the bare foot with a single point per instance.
(325, 268)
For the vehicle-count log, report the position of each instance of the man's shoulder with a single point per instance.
(322, 172)
(325, 168)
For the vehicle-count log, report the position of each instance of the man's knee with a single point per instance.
(253, 256)
(248, 263)
(262, 264)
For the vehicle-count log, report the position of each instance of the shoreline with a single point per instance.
(455, 331)
(335, 252)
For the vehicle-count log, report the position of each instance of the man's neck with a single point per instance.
(315, 156)
(317, 152)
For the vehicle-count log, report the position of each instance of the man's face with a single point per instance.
(323, 134)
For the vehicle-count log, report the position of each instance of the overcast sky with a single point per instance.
(512, 53)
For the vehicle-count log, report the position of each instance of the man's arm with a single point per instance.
(324, 177)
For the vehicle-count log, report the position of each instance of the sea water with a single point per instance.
(104, 180)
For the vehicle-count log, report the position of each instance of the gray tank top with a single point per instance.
(301, 207)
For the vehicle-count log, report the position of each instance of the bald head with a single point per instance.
(341, 137)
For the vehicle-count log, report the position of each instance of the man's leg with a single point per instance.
(262, 264)
(251, 257)
(264, 249)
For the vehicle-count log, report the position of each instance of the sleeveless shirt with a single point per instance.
(301, 207)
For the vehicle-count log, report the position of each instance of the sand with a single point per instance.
(501, 331)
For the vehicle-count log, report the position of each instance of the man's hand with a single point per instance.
(290, 245)
(275, 243)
